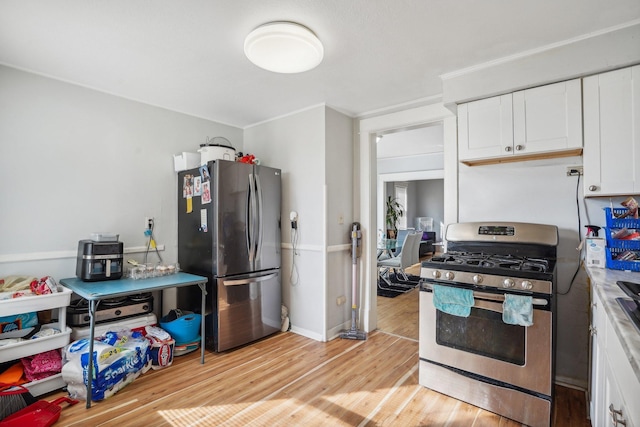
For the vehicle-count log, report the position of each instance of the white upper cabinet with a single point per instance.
(485, 128)
(548, 118)
(612, 133)
(527, 123)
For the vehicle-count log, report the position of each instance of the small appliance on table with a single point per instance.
(100, 258)
(483, 358)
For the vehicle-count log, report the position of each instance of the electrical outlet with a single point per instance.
(341, 300)
(340, 218)
(148, 222)
(574, 170)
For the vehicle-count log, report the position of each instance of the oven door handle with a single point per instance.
(491, 297)
(500, 298)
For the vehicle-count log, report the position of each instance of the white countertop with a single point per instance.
(607, 289)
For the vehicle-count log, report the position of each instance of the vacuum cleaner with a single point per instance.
(354, 333)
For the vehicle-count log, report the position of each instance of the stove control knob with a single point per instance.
(435, 274)
(526, 284)
(449, 275)
(477, 279)
(508, 283)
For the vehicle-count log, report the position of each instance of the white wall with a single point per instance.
(339, 195)
(595, 53)
(314, 150)
(540, 191)
(76, 161)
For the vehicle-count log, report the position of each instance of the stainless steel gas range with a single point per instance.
(483, 354)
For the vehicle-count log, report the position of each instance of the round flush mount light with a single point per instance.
(284, 47)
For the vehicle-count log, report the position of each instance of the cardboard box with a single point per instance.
(596, 256)
(185, 160)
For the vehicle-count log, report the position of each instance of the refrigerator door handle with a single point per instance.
(250, 221)
(248, 280)
(258, 236)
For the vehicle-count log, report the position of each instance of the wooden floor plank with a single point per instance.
(290, 380)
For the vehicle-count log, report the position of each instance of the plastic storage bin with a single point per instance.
(185, 329)
(633, 245)
(613, 222)
(424, 223)
(615, 264)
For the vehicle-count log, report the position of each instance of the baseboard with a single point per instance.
(571, 383)
(307, 333)
(334, 333)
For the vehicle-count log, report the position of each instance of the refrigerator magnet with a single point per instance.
(204, 173)
(206, 192)
(189, 205)
(203, 220)
(187, 186)
(197, 185)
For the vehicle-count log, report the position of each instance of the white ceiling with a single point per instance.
(188, 56)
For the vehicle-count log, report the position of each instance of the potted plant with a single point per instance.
(394, 213)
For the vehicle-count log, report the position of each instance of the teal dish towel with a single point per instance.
(517, 310)
(455, 301)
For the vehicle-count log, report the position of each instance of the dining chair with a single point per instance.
(398, 263)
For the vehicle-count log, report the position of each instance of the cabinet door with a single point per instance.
(597, 412)
(485, 128)
(548, 118)
(612, 133)
(615, 406)
(624, 390)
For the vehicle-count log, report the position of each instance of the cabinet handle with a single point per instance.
(614, 416)
(593, 330)
(508, 148)
(593, 188)
(519, 147)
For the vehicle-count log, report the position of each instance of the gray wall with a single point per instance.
(76, 161)
(429, 196)
(314, 149)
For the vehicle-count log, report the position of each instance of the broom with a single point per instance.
(354, 333)
(13, 399)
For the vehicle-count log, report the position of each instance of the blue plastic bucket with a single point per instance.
(185, 329)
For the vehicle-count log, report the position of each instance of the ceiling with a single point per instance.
(187, 56)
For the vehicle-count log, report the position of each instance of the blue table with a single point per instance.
(94, 292)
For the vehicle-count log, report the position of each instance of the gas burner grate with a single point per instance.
(492, 261)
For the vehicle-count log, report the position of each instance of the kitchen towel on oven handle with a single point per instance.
(455, 301)
(517, 310)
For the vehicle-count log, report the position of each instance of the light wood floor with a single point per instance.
(289, 380)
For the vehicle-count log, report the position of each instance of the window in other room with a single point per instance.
(400, 189)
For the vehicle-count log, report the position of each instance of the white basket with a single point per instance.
(26, 304)
(37, 345)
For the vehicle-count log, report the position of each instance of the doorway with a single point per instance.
(421, 194)
(370, 129)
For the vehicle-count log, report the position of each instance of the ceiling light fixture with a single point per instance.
(284, 47)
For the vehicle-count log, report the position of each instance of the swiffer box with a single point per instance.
(595, 256)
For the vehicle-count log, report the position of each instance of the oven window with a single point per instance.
(483, 333)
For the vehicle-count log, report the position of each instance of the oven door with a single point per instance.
(483, 345)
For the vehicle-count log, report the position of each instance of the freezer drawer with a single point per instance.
(248, 308)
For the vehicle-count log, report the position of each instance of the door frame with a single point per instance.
(366, 206)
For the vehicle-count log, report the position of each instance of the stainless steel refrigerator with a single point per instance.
(229, 230)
